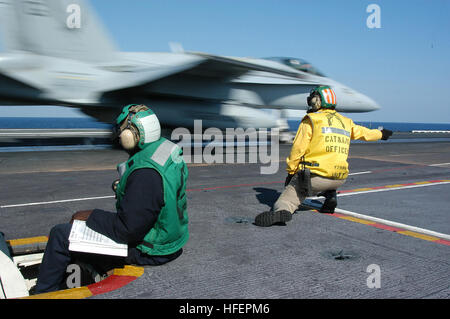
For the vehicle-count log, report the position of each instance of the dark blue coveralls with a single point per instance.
(138, 213)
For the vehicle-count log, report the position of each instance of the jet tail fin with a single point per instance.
(57, 28)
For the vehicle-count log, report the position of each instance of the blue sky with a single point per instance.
(404, 65)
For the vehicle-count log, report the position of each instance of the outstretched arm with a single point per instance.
(363, 133)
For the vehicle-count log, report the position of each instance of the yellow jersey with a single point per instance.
(323, 141)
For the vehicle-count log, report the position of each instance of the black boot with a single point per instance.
(269, 218)
(330, 202)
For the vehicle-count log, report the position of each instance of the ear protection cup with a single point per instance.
(314, 102)
(321, 97)
(129, 138)
(137, 126)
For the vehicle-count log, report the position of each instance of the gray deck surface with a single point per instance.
(229, 257)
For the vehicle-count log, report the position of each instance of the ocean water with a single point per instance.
(89, 123)
(393, 126)
(73, 123)
(51, 123)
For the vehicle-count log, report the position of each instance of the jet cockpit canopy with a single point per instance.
(298, 64)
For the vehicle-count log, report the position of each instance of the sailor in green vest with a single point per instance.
(151, 215)
(317, 164)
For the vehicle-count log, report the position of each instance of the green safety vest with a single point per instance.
(170, 231)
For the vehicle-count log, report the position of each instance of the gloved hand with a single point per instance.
(114, 185)
(385, 134)
(288, 179)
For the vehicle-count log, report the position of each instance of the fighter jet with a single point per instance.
(58, 53)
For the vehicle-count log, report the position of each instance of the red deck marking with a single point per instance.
(120, 278)
(443, 241)
(110, 283)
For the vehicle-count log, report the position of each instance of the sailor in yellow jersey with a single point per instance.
(317, 164)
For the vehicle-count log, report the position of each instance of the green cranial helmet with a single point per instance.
(327, 96)
(137, 126)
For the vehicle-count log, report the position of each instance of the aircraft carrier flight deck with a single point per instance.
(392, 214)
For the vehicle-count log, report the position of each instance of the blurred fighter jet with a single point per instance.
(58, 53)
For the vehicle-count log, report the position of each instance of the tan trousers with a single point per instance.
(291, 198)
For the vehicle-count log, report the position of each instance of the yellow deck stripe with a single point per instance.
(357, 220)
(418, 235)
(362, 189)
(404, 232)
(395, 185)
(422, 183)
(74, 293)
(84, 292)
(129, 271)
(27, 241)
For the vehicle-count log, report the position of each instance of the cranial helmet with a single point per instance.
(326, 95)
(137, 126)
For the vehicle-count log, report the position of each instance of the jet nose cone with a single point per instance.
(349, 100)
(369, 104)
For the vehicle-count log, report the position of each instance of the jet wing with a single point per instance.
(207, 65)
(223, 66)
(135, 73)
